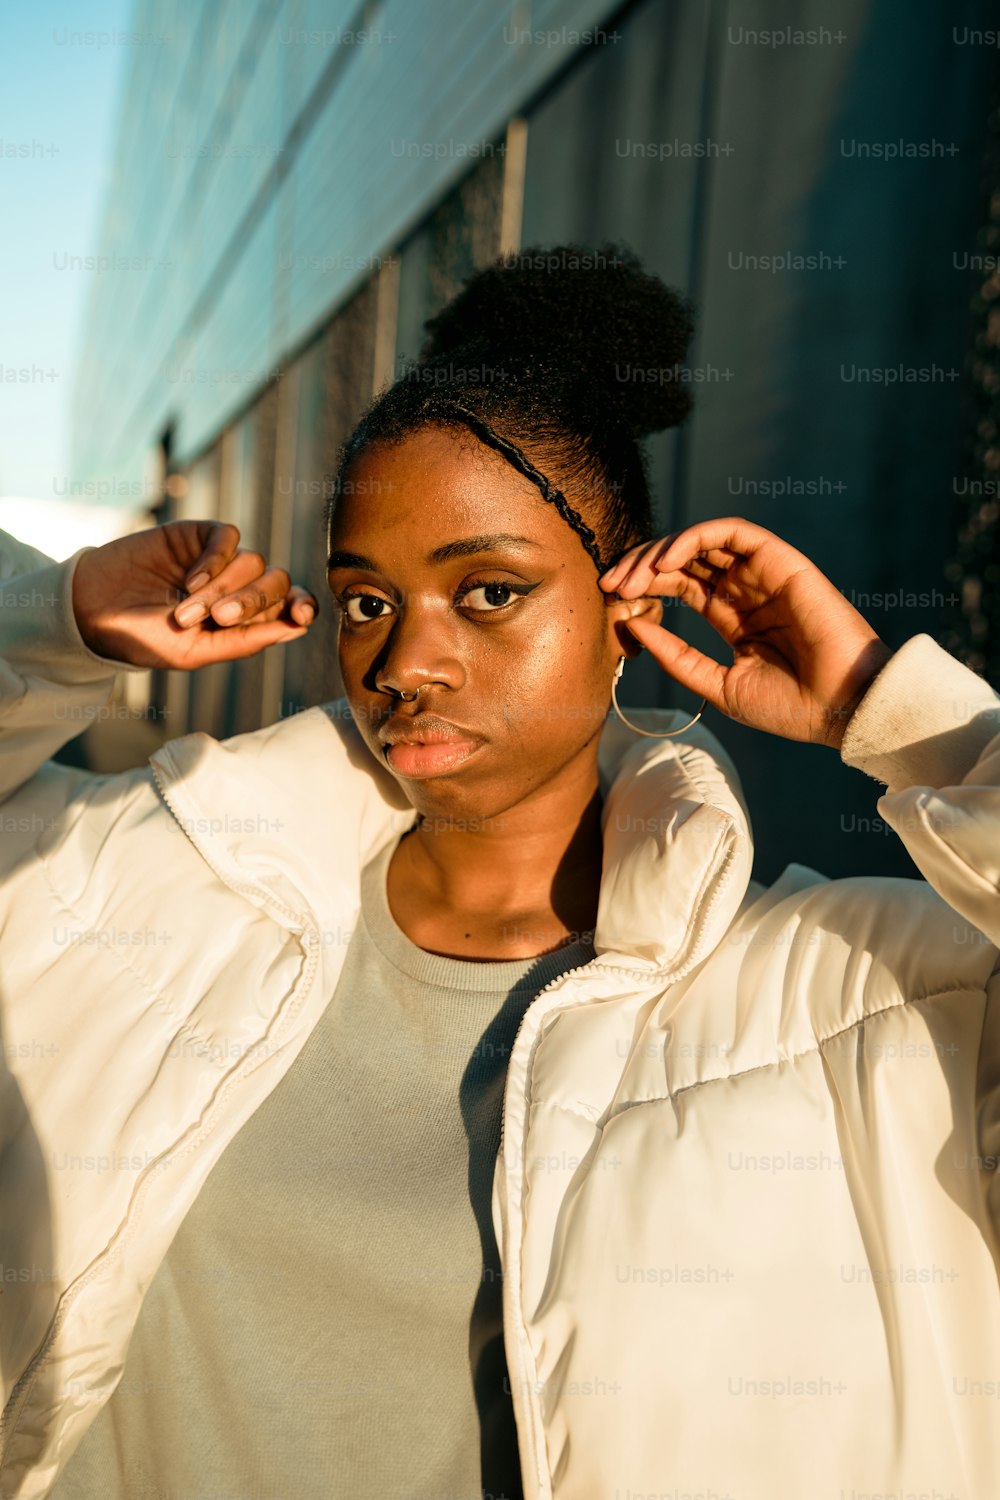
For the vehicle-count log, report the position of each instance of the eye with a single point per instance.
(366, 610)
(346, 600)
(489, 587)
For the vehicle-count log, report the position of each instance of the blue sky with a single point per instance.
(59, 101)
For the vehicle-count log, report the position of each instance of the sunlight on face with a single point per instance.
(507, 636)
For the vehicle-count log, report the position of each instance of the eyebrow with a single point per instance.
(468, 546)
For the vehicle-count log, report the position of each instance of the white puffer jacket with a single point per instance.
(746, 1199)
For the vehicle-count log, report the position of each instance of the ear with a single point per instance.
(650, 607)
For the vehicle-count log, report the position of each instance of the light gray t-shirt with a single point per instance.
(327, 1320)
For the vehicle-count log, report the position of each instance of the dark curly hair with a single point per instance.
(562, 359)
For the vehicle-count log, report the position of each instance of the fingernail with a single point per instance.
(196, 582)
(306, 612)
(231, 609)
(190, 611)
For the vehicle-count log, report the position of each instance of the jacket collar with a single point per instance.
(290, 814)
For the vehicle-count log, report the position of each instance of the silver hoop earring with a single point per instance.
(654, 733)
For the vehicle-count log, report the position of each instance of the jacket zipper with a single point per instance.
(11, 1416)
(598, 968)
(528, 1411)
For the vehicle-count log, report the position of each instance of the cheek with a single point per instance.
(556, 676)
(353, 663)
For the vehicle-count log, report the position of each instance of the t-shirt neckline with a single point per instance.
(454, 973)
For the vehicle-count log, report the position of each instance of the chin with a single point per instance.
(443, 799)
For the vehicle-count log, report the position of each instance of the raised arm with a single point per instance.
(928, 729)
(66, 628)
(51, 683)
(808, 666)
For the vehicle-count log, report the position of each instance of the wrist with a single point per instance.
(79, 593)
(872, 660)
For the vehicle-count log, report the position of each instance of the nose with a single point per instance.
(417, 650)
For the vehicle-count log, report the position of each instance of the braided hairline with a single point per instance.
(514, 455)
(520, 460)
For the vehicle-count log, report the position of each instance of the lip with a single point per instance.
(423, 731)
(410, 759)
(426, 745)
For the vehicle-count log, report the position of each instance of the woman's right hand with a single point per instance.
(128, 598)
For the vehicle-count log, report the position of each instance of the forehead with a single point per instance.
(436, 480)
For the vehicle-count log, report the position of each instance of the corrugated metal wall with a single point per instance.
(355, 156)
(265, 166)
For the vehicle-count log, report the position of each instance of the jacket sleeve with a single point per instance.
(928, 729)
(51, 683)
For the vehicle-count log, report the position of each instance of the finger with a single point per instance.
(302, 606)
(710, 597)
(744, 539)
(702, 569)
(672, 553)
(720, 557)
(240, 606)
(711, 583)
(684, 663)
(245, 569)
(212, 646)
(653, 580)
(767, 560)
(298, 608)
(618, 570)
(643, 567)
(219, 541)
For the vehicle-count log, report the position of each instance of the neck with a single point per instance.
(523, 881)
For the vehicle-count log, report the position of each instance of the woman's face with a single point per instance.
(457, 581)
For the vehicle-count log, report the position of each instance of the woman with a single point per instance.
(487, 1126)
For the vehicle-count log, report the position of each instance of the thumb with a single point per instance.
(684, 663)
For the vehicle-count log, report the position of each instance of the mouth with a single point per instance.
(411, 758)
(416, 749)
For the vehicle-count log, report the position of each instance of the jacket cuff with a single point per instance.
(924, 720)
(40, 633)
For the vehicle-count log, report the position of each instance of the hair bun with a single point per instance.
(612, 334)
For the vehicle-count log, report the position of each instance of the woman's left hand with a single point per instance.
(803, 656)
